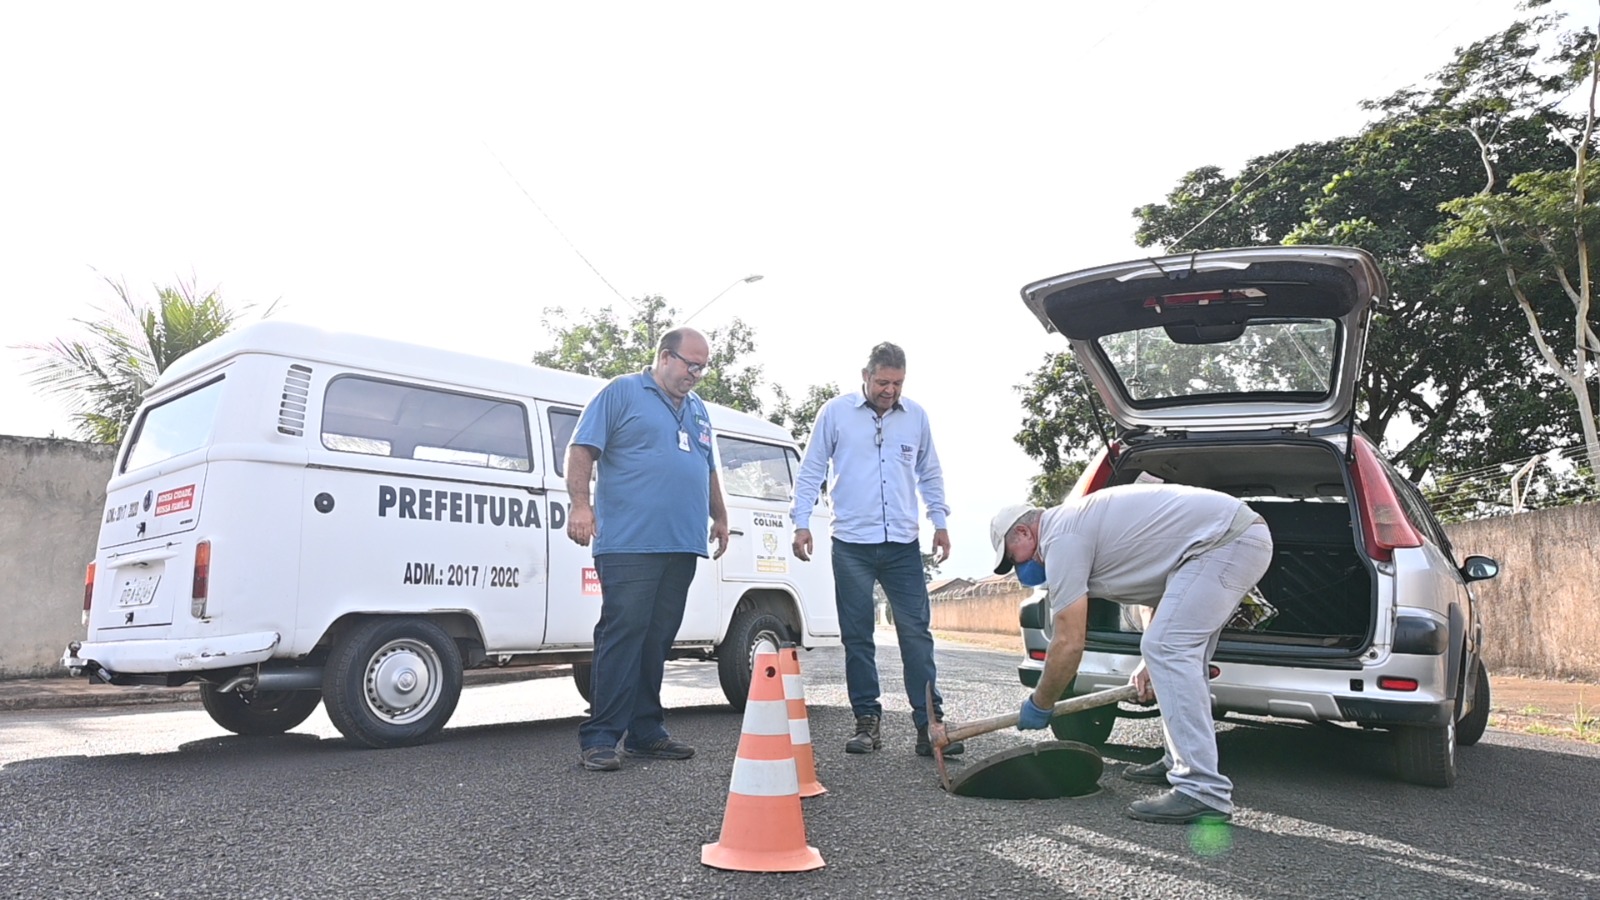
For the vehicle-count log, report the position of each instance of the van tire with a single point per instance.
(736, 654)
(583, 679)
(392, 681)
(255, 713)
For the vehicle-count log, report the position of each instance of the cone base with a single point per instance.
(798, 860)
(814, 789)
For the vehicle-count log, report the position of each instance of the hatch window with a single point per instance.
(1183, 360)
(174, 427)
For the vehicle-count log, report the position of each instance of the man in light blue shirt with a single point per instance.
(881, 448)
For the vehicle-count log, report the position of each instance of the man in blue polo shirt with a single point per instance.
(881, 448)
(651, 437)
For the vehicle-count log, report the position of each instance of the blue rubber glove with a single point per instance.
(1032, 718)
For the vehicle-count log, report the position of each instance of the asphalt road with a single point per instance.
(158, 801)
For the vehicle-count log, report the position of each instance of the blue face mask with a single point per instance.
(1030, 573)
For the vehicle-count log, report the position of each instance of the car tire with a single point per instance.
(1426, 754)
(258, 712)
(1092, 726)
(583, 680)
(736, 654)
(1472, 725)
(392, 682)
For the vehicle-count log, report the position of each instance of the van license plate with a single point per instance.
(138, 591)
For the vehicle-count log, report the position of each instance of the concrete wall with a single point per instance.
(52, 497)
(1541, 617)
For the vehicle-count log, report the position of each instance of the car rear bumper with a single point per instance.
(145, 657)
(1303, 693)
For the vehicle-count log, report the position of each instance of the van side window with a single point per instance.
(175, 427)
(386, 418)
(562, 423)
(752, 469)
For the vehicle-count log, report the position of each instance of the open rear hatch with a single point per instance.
(1224, 339)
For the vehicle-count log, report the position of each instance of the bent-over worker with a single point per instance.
(1189, 553)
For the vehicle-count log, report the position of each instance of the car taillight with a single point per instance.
(88, 591)
(1389, 683)
(202, 579)
(1096, 475)
(1384, 525)
(1036, 654)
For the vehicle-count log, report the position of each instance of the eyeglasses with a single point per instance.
(694, 368)
(879, 422)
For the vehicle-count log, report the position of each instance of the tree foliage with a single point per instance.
(605, 345)
(103, 375)
(1443, 356)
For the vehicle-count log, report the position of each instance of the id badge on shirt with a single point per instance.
(683, 441)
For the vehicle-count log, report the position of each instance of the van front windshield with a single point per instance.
(174, 427)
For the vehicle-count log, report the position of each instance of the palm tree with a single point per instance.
(105, 374)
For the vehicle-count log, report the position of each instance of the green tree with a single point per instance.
(1531, 240)
(1443, 355)
(605, 346)
(103, 376)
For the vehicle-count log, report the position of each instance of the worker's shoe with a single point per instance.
(1175, 808)
(866, 738)
(599, 759)
(665, 748)
(925, 746)
(1150, 773)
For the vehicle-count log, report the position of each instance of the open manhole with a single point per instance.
(1044, 771)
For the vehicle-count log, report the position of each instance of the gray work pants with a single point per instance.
(1201, 595)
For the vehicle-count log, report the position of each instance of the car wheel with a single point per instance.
(1427, 754)
(392, 682)
(583, 679)
(1092, 726)
(258, 712)
(1471, 726)
(736, 655)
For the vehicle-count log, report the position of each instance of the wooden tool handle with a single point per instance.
(960, 731)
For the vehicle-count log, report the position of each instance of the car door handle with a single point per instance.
(732, 531)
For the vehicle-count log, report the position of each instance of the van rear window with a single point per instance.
(386, 418)
(760, 471)
(174, 427)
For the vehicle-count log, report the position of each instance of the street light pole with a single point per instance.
(748, 279)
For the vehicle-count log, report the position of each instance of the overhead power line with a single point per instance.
(556, 227)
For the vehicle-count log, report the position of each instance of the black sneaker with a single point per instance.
(1149, 773)
(599, 759)
(1175, 808)
(666, 748)
(925, 745)
(866, 737)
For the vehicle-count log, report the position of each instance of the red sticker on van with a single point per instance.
(591, 583)
(175, 500)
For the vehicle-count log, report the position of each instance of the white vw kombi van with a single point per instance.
(300, 516)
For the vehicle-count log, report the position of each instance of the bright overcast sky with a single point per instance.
(896, 171)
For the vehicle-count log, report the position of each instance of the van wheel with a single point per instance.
(392, 682)
(1471, 726)
(583, 678)
(258, 712)
(1427, 754)
(736, 655)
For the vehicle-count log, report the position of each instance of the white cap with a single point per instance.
(999, 526)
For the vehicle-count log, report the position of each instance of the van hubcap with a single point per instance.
(402, 680)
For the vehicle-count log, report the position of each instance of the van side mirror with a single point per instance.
(1479, 568)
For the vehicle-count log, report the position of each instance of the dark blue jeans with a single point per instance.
(641, 607)
(898, 567)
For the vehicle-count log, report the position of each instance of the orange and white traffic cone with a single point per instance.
(794, 691)
(763, 829)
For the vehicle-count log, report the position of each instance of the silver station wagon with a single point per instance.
(1236, 370)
